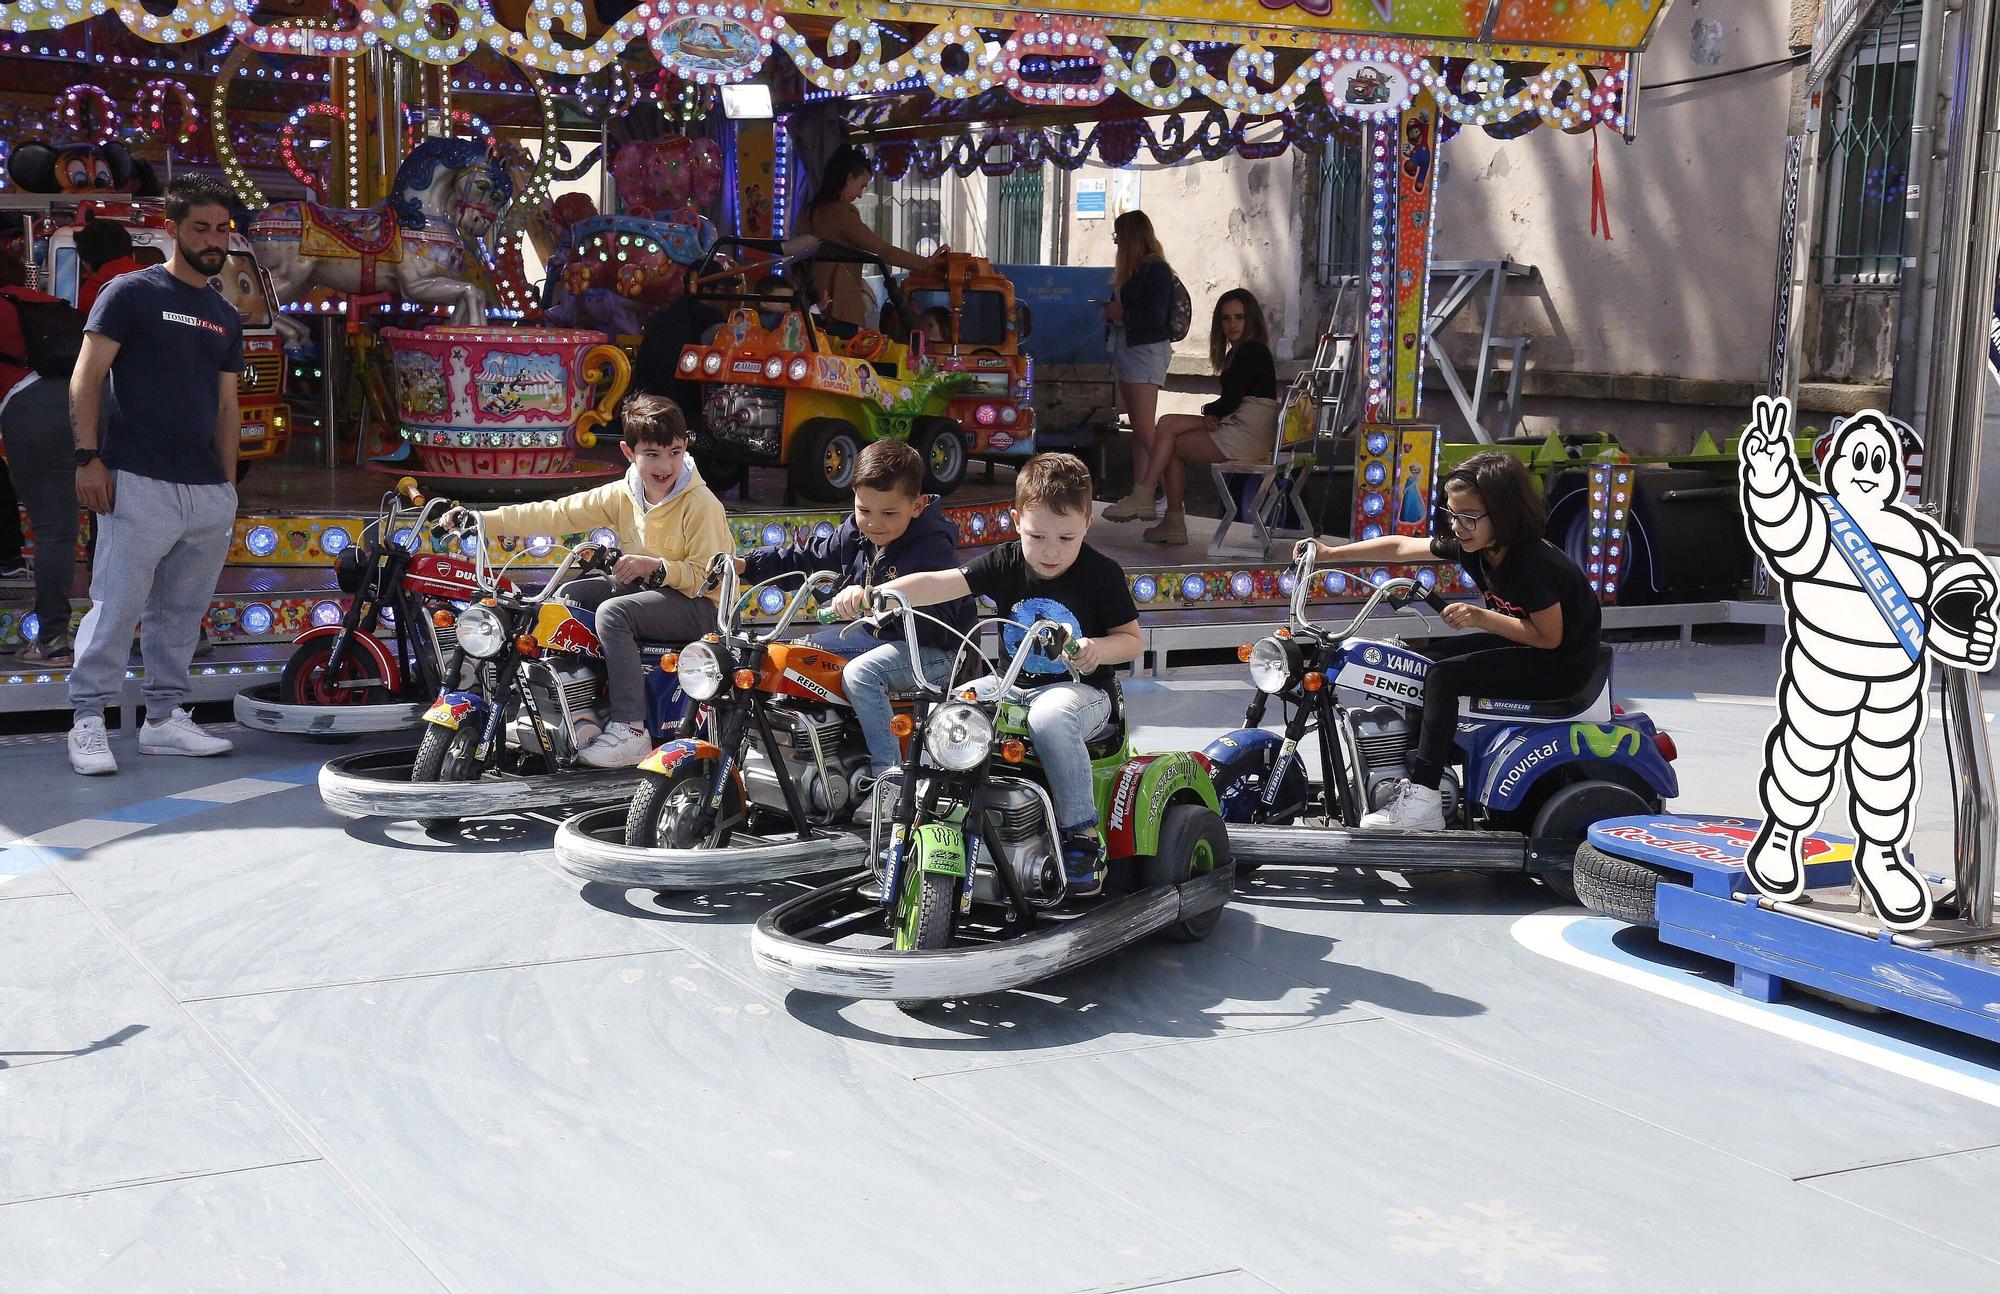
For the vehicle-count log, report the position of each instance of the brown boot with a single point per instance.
(1171, 530)
(1133, 507)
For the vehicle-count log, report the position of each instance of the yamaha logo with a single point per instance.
(1373, 656)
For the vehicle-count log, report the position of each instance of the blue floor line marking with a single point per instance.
(19, 860)
(1596, 937)
(296, 774)
(154, 812)
(1906, 1048)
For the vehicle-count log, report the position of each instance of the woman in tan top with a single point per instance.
(832, 217)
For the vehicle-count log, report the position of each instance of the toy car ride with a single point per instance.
(1531, 777)
(778, 389)
(983, 342)
(966, 892)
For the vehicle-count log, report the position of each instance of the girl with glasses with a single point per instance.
(1536, 636)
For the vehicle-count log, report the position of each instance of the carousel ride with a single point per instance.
(398, 172)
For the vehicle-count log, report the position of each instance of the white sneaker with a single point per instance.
(872, 805)
(90, 748)
(622, 745)
(1414, 808)
(179, 734)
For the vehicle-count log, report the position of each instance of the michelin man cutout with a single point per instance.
(1874, 591)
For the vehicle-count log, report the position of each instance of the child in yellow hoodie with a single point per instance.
(670, 526)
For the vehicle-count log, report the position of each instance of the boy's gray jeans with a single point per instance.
(159, 553)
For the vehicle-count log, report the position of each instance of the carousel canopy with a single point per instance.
(725, 40)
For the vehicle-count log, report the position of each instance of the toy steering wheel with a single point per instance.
(867, 344)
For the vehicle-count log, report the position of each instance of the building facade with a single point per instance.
(1653, 322)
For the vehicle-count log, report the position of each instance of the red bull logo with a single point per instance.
(558, 628)
(1743, 834)
(449, 711)
(1733, 837)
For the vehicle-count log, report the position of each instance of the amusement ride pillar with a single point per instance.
(1968, 227)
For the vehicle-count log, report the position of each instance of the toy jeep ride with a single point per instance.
(777, 388)
(982, 341)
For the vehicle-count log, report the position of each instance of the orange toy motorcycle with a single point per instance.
(769, 738)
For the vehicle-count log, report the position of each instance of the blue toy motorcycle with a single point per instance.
(1530, 777)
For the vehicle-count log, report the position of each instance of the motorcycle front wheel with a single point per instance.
(670, 811)
(445, 755)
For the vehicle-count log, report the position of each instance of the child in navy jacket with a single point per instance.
(895, 530)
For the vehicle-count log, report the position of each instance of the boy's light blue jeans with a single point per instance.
(1062, 718)
(869, 677)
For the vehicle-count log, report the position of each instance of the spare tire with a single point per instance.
(1618, 887)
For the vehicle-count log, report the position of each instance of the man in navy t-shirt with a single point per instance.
(162, 481)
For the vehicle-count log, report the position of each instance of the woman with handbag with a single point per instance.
(1240, 425)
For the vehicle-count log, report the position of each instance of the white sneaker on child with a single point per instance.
(90, 748)
(179, 734)
(621, 745)
(1414, 808)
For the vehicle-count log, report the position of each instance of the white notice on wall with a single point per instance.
(1092, 199)
(1124, 191)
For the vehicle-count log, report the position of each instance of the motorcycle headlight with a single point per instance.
(348, 570)
(1274, 664)
(958, 737)
(480, 632)
(701, 671)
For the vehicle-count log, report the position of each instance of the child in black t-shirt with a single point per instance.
(1541, 620)
(1049, 573)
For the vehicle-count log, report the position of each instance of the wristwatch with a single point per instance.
(83, 457)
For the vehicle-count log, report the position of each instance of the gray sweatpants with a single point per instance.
(159, 553)
(627, 616)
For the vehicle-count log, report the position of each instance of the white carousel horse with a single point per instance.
(419, 246)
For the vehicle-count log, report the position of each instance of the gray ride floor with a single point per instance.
(245, 1044)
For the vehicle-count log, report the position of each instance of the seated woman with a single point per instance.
(1240, 425)
(833, 216)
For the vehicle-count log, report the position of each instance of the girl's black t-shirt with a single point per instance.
(1531, 578)
(1249, 370)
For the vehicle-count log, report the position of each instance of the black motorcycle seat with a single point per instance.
(1110, 739)
(1590, 703)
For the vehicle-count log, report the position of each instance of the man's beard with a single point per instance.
(208, 262)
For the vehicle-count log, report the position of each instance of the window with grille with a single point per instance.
(1343, 209)
(1017, 218)
(908, 212)
(1868, 152)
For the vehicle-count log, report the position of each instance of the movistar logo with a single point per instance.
(1603, 742)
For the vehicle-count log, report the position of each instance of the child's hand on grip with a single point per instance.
(850, 603)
